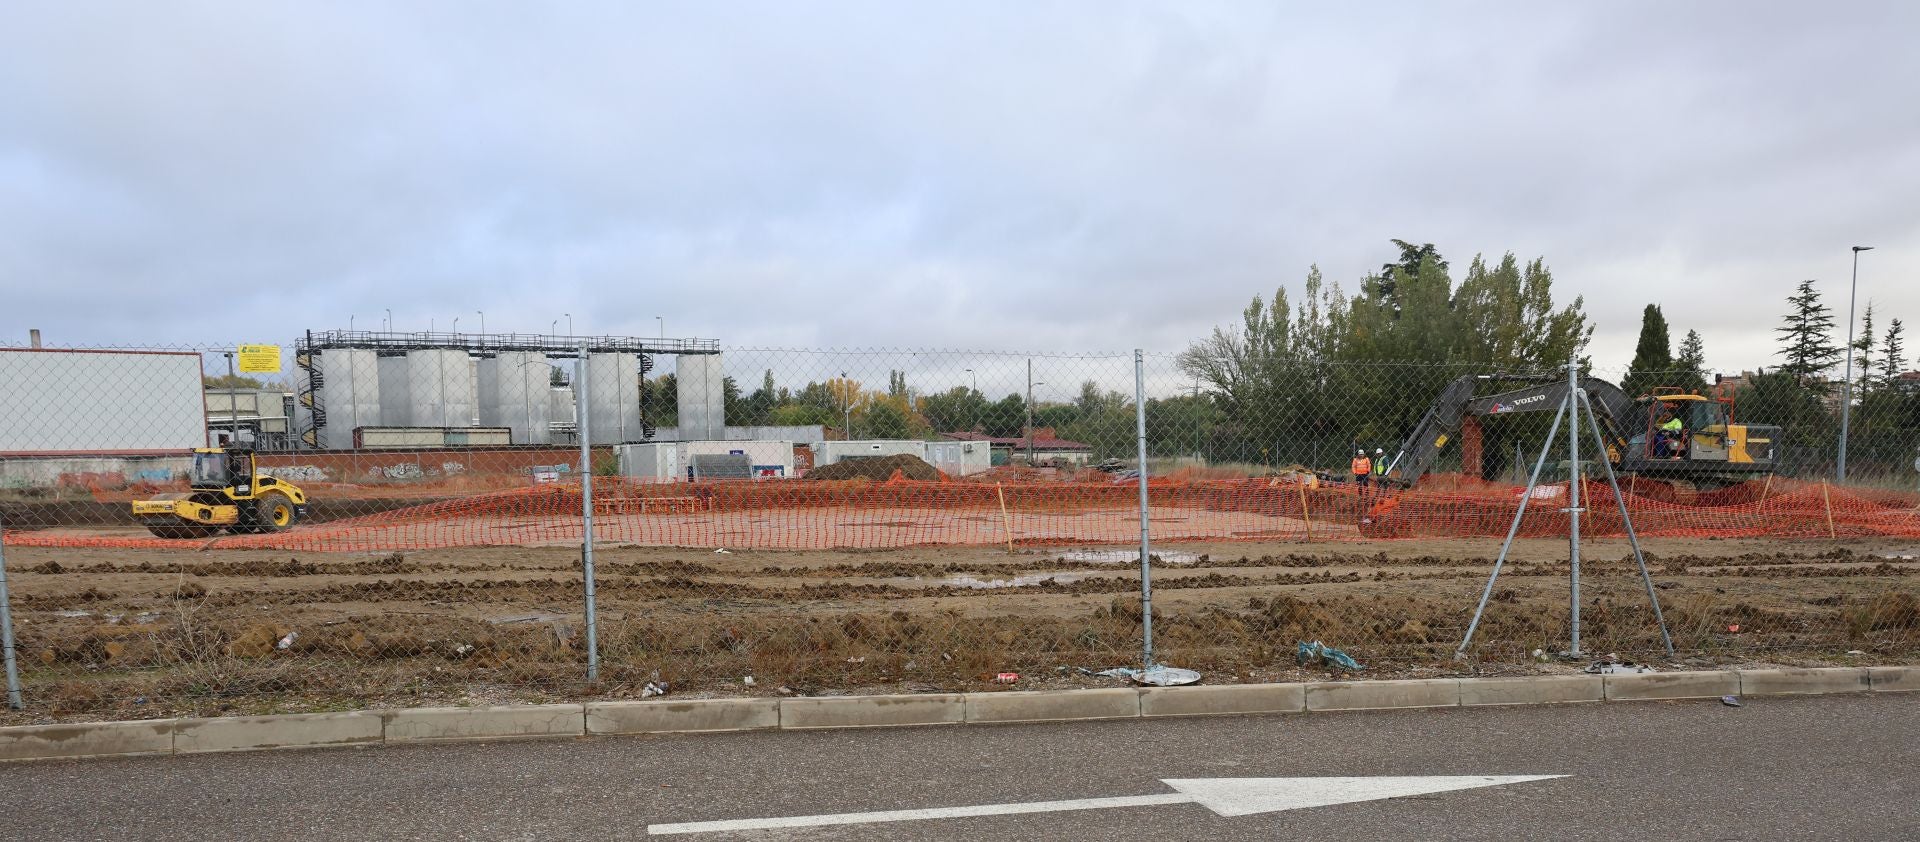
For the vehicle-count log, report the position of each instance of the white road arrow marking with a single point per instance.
(1224, 796)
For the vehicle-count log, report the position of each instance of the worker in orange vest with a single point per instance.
(1362, 468)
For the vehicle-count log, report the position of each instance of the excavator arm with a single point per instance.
(1442, 421)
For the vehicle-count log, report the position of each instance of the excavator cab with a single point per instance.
(1704, 425)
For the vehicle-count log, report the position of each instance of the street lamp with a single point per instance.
(389, 319)
(663, 326)
(1846, 382)
(456, 325)
(569, 323)
(1030, 385)
(483, 320)
(846, 405)
(973, 419)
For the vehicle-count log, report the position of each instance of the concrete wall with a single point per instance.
(91, 471)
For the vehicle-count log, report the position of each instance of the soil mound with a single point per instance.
(878, 469)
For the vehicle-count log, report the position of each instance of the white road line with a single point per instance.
(1224, 796)
(922, 815)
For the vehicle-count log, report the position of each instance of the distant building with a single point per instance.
(1047, 447)
(1907, 383)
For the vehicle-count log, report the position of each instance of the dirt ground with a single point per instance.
(111, 633)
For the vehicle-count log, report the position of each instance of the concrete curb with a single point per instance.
(1894, 679)
(418, 725)
(872, 711)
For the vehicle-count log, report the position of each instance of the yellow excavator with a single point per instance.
(228, 493)
(1711, 450)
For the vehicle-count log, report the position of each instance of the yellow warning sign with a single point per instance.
(259, 359)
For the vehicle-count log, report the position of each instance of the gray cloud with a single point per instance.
(1030, 176)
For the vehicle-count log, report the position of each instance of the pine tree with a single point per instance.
(1863, 354)
(1806, 338)
(1692, 362)
(1893, 357)
(1653, 356)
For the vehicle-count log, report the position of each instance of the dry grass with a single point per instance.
(131, 635)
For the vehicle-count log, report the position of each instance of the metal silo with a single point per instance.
(348, 395)
(702, 397)
(396, 400)
(441, 389)
(514, 388)
(613, 401)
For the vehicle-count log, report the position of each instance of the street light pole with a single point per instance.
(846, 405)
(569, 323)
(1846, 381)
(483, 320)
(1030, 385)
(663, 326)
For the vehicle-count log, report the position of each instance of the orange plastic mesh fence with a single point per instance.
(1034, 452)
(799, 514)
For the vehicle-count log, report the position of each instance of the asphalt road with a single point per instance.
(1817, 768)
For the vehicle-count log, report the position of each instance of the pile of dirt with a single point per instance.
(878, 469)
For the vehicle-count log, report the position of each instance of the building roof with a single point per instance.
(1043, 439)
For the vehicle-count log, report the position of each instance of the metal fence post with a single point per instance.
(6, 627)
(1573, 500)
(583, 428)
(1146, 541)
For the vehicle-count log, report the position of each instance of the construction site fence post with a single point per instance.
(1306, 514)
(6, 627)
(582, 427)
(1146, 540)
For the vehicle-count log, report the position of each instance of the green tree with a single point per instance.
(1005, 417)
(660, 400)
(1893, 354)
(733, 404)
(1691, 364)
(1806, 337)
(1182, 426)
(1863, 355)
(803, 415)
(1411, 256)
(232, 381)
(1507, 320)
(884, 420)
(1301, 383)
(1652, 356)
(1780, 397)
(959, 409)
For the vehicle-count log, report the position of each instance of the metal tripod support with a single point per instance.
(1569, 411)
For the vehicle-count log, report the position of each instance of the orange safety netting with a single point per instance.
(799, 514)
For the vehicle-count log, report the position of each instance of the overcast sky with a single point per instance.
(1010, 176)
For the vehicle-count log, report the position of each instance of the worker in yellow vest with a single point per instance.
(1362, 468)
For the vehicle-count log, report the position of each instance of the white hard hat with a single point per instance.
(1360, 452)
(1378, 450)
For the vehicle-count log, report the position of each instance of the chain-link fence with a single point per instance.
(397, 518)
